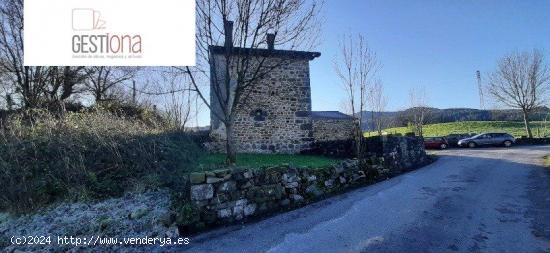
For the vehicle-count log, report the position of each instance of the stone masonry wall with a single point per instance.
(226, 196)
(332, 130)
(276, 117)
(400, 153)
(237, 194)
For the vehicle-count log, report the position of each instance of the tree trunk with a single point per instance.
(358, 139)
(372, 119)
(526, 122)
(231, 158)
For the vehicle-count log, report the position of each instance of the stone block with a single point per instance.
(224, 205)
(274, 191)
(314, 190)
(297, 197)
(289, 177)
(238, 212)
(213, 180)
(291, 185)
(228, 186)
(342, 180)
(197, 177)
(241, 202)
(329, 183)
(338, 168)
(202, 192)
(221, 198)
(248, 174)
(285, 202)
(250, 209)
(245, 185)
(222, 173)
(224, 213)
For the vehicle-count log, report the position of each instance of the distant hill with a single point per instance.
(435, 115)
(539, 128)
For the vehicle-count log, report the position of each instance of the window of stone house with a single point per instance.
(259, 115)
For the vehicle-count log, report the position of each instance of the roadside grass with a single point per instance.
(215, 161)
(547, 160)
(87, 156)
(515, 128)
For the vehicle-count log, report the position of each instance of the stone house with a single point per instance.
(276, 116)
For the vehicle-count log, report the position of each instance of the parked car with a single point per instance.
(452, 139)
(486, 139)
(435, 143)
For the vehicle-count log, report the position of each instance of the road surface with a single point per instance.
(470, 200)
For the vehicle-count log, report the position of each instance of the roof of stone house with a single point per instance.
(330, 115)
(266, 52)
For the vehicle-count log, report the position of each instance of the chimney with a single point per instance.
(228, 30)
(270, 41)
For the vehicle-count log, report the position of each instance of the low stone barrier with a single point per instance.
(334, 148)
(237, 194)
(399, 153)
(533, 141)
(230, 195)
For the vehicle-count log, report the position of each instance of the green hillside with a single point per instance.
(539, 128)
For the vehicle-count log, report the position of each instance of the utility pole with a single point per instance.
(479, 86)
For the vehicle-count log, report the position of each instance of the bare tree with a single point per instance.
(63, 82)
(377, 102)
(103, 80)
(356, 66)
(521, 81)
(28, 82)
(179, 102)
(242, 25)
(419, 109)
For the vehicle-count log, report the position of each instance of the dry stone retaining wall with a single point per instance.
(236, 194)
(230, 195)
(399, 153)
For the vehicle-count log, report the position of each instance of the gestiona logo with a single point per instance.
(109, 33)
(92, 38)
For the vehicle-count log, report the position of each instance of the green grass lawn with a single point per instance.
(539, 129)
(214, 161)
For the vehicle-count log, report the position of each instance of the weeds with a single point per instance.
(86, 156)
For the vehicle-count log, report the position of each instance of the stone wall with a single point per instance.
(276, 115)
(229, 195)
(332, 129)
(400, 153)
(226, 196)
(533, 141)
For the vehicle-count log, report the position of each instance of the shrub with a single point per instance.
(86, 156)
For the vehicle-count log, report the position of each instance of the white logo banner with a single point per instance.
(109, 33)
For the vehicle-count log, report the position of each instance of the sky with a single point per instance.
(434, 44)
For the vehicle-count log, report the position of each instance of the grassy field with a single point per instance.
(213, 161)
(539, 129)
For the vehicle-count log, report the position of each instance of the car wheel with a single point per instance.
(507, 143)
(472, 145)
(443, 146)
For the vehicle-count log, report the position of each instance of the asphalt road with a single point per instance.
(470, 200)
